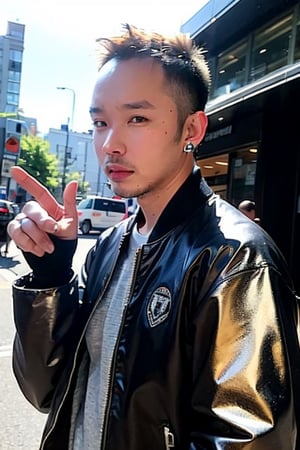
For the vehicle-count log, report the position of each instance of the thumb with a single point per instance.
(70, 200)
(68, 224)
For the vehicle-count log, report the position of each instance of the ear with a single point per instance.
(195, 126)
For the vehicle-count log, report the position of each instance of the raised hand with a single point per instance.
(31, 227)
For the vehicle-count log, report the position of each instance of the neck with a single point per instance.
(153, 203)
(152, 207)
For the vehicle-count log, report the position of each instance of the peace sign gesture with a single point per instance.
(31, 227)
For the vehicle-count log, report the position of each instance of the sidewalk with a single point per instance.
(12, 265)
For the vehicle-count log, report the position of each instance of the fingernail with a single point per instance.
(55, 227)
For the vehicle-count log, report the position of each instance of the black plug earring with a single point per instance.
(189, 148)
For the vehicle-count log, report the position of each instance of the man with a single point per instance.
(247, 207)
(184, 335)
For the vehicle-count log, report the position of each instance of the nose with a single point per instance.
(113, 143)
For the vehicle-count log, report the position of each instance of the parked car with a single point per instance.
(99, 213)
(8, 211)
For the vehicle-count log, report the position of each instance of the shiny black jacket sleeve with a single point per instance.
(46, 330)
(48, 320)
(248, 371)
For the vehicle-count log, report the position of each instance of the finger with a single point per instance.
(70, 199)
(39, 215)
(39, 240)
(70, 211)
(63, 228)
(29, 238)
(38, 191)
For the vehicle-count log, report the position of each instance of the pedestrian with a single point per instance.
(5, 247)
(183, 335)
(247, 207)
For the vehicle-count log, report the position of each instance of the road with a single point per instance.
(21, 425)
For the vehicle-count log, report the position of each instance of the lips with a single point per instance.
(117, 172)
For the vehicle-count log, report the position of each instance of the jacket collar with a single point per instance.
(193, 193)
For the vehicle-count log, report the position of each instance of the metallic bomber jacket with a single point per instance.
(207, 355)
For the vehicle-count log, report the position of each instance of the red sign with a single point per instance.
(12, 145)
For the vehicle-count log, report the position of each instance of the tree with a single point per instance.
(82, 185)
(38, 161)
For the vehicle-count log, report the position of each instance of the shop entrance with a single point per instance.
(232, 174)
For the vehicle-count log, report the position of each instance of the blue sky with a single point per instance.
(60, 48)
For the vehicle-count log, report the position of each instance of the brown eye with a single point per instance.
(99, 124)
(138, 119)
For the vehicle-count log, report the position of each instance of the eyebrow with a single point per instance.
(141, 104)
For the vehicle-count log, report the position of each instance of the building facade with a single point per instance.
(11, 57)
(252, 146)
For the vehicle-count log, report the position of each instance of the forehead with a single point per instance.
(129, 81)
(133, 67)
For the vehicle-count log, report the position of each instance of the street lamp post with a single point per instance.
(63, 88)
(65, 162)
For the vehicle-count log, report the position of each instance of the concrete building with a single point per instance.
(252, 147)
(11, 57)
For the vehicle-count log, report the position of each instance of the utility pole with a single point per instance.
(66, 155)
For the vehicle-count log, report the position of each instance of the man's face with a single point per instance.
(135, 128)
(250, 214)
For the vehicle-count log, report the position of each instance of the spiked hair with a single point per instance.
(186, 71)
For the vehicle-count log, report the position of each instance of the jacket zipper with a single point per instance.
(107, 281)
(112, 367)
(169, 438)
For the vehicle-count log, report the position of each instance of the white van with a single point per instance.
(98, 213)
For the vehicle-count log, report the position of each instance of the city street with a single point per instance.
(21, 425)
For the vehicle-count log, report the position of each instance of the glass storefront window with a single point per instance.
(215, 169)
(231, 175)
(242, 174)
(231, 70)
(270, 48)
